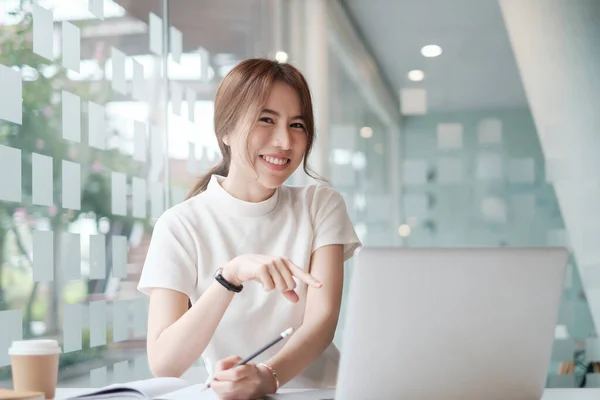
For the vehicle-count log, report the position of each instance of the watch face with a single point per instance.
(217, 272)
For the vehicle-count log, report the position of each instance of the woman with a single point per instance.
(241, 228)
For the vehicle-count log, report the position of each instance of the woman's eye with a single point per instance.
(297, 125)
(267, 120)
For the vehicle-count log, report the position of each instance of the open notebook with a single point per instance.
(179, 389)
(154, 388)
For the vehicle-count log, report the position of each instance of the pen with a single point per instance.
(258, 352)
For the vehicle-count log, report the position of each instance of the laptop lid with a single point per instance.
(453, 323)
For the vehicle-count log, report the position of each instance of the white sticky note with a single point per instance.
(413, 101)
(156, 149)
(378, 208)
(521, 170)
(97, 256)
(118, 193)
(43, 256)
(138, 189)
(489, 131)
(42, 180)
(449, 136)
(118, 81)
(120, 325)
(43, 31)
(119, 256)
(96, 7)
(71, 185)
(176, 44)
(489, 166)
(11, 82)
(72, 327)
(343, 136)
(156, 37)
(140, 135)
(204, 64)
(176, 97)
(493, 209)
(416, 205)
(10, 183)
(96, 126)
(71, 256)
(98, 377)
(11, 322)
(415, 172)
(140, 317)
(138, 91)
(522, 206)
(97, 323)
(71, 117)
(190, 98)
(450, 170)
(157, 199)
(71, 46)
(121, 372)
(192, 166)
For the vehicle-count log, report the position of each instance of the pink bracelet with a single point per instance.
(267, 366)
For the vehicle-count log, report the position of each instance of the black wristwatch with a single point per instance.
(229, 286)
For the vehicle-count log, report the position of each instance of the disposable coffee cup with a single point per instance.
(34, 366)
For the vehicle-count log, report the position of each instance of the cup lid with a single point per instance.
(34, 347)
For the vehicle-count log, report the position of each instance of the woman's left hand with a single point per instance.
(237, 383)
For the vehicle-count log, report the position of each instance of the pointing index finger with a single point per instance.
(302, 274)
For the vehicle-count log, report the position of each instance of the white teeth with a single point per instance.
(276, 161)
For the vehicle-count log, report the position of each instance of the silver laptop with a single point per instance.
(450, 323)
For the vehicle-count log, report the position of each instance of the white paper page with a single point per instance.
(309, 394)
(151, 388)
(191, 392)
(158, 386)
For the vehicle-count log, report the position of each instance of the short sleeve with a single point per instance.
(332, 224)
(171, 258)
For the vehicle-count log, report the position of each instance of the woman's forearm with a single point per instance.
(182, 343)
(303, 348)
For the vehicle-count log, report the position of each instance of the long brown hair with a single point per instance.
(239, 100)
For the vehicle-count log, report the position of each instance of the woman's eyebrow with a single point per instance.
(275, 113)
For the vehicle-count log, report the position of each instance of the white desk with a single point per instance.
(549, 394)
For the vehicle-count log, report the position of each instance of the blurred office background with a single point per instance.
(443, 123)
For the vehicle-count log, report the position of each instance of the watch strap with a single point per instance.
(228, 285)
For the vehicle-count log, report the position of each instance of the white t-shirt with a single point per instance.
(193, 239)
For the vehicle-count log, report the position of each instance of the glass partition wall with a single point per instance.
(106, 115)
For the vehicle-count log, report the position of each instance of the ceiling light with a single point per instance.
(366, 132)
(431, 50)
(281, 56)
(404, 230)
(416, 75)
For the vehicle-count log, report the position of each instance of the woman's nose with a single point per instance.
(282, 139)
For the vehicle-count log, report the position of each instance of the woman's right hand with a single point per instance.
(271, 272)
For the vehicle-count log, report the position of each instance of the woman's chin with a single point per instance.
(272, 182)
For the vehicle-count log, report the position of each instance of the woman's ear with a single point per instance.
(226, 139)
